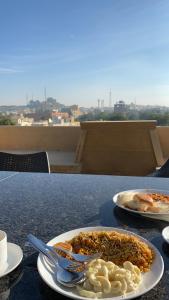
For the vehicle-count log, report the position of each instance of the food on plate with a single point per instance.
(115, 247)
(145, 202)
(142, 202)
(64, 246)
(160, 197)
(107, 279)
(125, 197)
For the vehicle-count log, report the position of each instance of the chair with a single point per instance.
(162, 172)
(34, 162)
(117, 148)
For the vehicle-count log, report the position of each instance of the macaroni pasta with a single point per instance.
(105, 278)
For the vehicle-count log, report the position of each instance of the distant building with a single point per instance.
(25, 121)
(41, 123)
(59, 117)
(75, 111)
(48, 105)
(120, 107)
(34, 104)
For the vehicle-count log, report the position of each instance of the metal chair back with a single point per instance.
(32, 162)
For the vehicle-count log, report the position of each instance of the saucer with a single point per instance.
(165, 234)
(15, 255)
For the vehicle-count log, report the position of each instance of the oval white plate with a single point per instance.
(159, 216)
(149, 279)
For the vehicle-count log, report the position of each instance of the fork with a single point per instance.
(77, 257)
(67, 264)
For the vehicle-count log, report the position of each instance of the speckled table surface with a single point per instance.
(5, 175)
(49, 204)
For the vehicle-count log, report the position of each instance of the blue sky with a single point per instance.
(80, 49)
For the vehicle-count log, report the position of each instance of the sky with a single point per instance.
(78, 50)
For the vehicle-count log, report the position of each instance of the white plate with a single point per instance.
(14, 257)
(159, 216)
(149, 279)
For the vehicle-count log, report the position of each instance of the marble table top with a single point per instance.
(50, 204)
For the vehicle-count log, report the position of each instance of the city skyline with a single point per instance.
(78, 50)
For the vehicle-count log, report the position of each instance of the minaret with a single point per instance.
(110, 100)
(45, 94)
(102, 103)
(98, 103)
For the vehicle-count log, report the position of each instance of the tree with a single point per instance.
(6, 121)
(161, 117)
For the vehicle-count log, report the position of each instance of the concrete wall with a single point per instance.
(59, 138)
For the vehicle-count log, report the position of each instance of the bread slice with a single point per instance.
(140, 202)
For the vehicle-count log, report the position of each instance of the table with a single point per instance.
(49, 204)
(5, 175)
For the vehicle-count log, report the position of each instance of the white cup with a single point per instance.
(3, 250)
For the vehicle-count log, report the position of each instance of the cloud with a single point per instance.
(9, 71)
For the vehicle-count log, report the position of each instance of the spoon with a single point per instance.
(63, 276)
(67, 264)
(67, 278)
